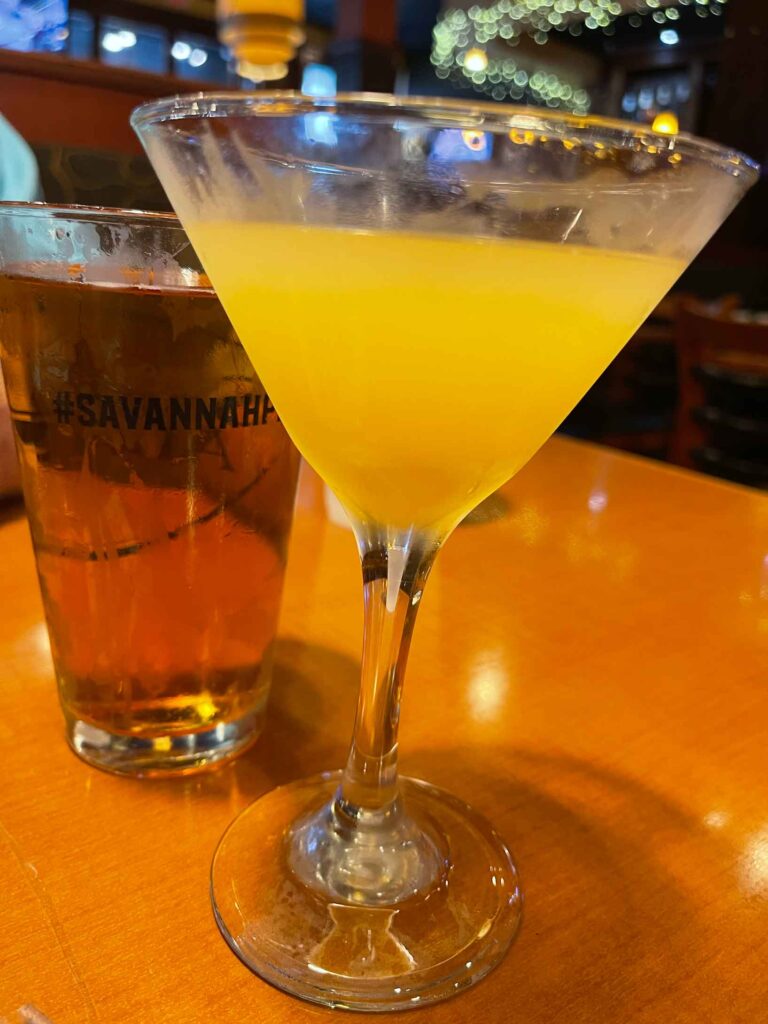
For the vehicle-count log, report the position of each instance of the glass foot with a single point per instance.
(159, 756)
(417, 950)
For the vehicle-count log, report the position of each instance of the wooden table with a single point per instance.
(589, 670)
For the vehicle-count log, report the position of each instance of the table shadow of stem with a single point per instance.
(606, 918)
(310, 715)
(307, 727)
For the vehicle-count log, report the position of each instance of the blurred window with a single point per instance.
(130, 44)
(81, 30)
(195, 57)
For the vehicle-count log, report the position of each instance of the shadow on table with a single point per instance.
(307, 729)
(310, 716)
(607, 866)
(11, 508)
(496, 506)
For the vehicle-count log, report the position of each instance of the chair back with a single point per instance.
(723, 384)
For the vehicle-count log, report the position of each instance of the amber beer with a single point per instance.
(159, 485)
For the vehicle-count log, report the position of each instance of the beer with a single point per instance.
(159, 486)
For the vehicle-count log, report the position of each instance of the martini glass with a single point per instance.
(426, 289)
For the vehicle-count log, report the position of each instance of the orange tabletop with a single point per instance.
(589, 670)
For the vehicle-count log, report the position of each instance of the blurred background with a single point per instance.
(692, 386)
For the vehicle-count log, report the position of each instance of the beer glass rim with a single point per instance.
(161, 231)
(92, 214)
(445, 113)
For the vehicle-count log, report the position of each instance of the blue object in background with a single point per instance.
(133, 44)
(81, 32)
(318, 80)
(19, 178)
(456, 146)
(195, 57)
(33, 24)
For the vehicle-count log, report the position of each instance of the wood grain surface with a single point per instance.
(589, 670)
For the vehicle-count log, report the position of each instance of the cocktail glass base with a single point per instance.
(163, 755)
(343, 953)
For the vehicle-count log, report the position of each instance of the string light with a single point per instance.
(461, 37)
(458, 53)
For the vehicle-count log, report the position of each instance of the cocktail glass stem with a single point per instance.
(363, 847)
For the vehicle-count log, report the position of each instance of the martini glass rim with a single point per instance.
(497, 118)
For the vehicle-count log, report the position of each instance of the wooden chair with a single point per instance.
(633, 404)
(722, 417)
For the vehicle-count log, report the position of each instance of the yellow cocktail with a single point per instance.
(418, 372)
